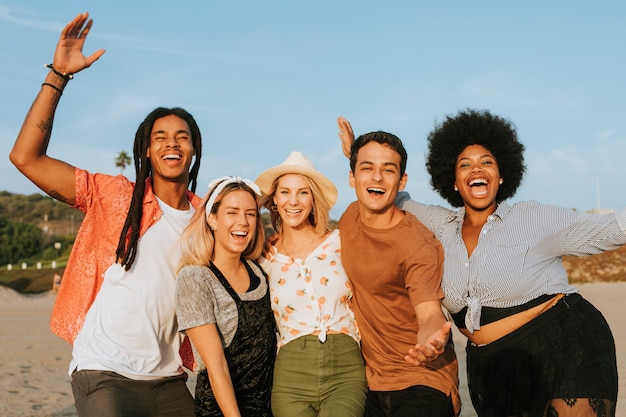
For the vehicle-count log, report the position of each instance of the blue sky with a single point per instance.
(265, 78)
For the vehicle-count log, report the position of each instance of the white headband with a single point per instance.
(218, 185)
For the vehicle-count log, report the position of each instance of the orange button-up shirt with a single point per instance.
(105, 200)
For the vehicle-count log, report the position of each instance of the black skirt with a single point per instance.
(568, 352)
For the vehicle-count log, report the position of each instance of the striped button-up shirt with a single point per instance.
(518, 256)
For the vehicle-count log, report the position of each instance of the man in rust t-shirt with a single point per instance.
(395, 266)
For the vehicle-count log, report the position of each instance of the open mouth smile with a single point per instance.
(376, 190)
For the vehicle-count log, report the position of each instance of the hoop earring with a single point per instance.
(274, 208)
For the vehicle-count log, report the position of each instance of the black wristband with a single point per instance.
(53, 86)
(63, 75)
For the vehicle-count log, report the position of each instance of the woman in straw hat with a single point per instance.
(223, 302)
(319, 367)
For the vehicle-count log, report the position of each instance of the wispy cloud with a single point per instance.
(24, 18)
(606, 134)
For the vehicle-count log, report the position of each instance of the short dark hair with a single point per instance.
(383, 138)
(474, 127)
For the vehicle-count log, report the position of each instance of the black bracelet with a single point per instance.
(53, 86)
(63, 75)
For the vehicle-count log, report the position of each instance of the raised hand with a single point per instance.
(345, 134)
(68, 56)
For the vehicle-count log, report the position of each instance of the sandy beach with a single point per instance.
(34, 361)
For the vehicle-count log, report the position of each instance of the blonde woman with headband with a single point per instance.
(223, 302)
(319, 369)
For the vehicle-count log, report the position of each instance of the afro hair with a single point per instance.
(473, 127)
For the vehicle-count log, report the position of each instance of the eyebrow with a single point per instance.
(239, 208)
(393, 164)
(488, 155)
(282, 187)
(157, 132)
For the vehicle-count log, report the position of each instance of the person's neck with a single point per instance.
(233, 269)
(174, 194)
(297, 242)
(227, 262)
(383, 219)
(291, 234)
(478, 217)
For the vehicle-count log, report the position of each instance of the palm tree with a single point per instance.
(122, 160)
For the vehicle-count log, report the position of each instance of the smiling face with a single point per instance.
(477, 178)
(294, 200)
(234, 223)
(171, 150)
(376, 177)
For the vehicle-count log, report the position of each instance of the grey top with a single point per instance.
(518, 256)
(202, 299)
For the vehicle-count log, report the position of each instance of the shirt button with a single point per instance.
(466, 264)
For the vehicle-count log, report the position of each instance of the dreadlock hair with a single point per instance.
(127, 245)
(473, 127)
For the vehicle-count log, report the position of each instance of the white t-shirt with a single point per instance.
(131, 327)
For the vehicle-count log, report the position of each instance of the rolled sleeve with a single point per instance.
(621, 219)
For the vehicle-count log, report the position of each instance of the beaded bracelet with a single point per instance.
(53, 86)
(63, 75)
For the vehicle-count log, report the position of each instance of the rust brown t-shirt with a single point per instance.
(391, 271)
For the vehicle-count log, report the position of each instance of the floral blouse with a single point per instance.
(312, 294)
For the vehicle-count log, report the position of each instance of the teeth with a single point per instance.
(478, 181)
(172, 157)
(240, 233)
(376, 190)
(293, 211)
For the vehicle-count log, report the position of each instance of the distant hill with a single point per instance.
(605, 267)
(56, 225)
(50, 215)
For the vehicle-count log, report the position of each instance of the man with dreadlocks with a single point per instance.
(116, 304)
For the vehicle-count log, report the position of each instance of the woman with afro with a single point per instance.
(535, 346)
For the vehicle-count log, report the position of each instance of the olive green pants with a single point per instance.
(312, 378)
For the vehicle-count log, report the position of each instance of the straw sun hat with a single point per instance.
(298, 163)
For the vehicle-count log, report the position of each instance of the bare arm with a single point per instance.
(433, 333)
(207, 341)
(52, 176)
